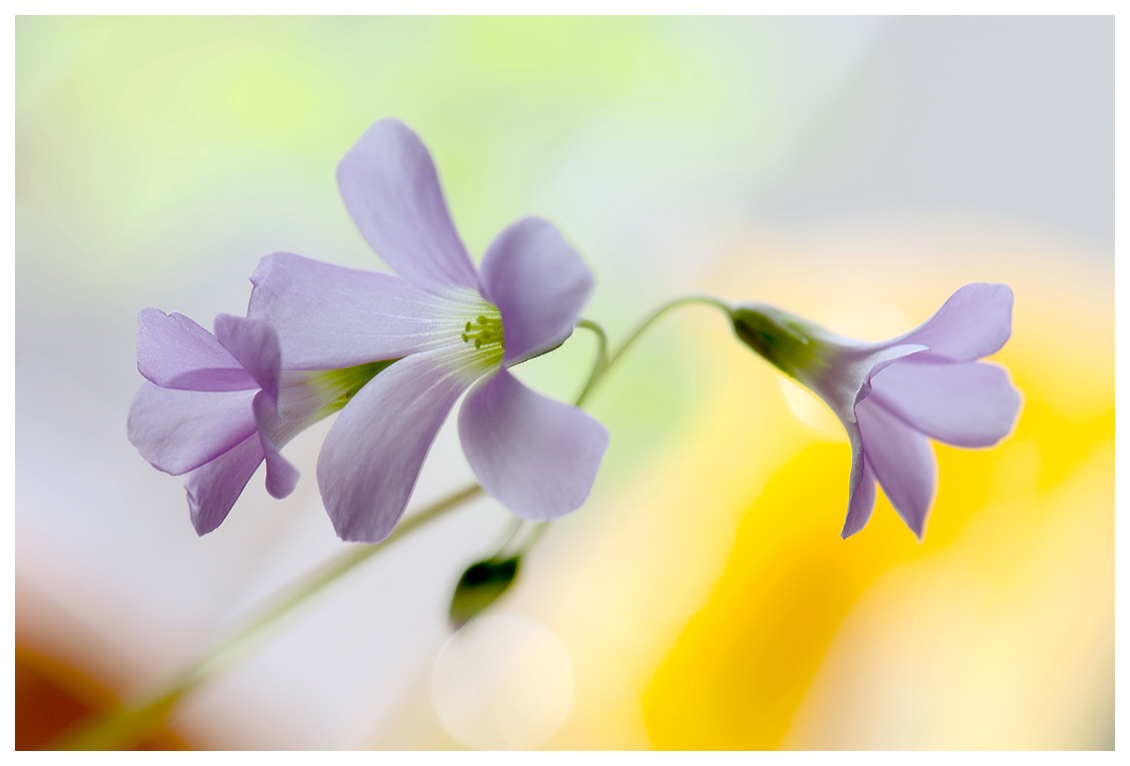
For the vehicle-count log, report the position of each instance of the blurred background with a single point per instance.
(853, 170)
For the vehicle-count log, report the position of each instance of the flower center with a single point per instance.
(485, 332)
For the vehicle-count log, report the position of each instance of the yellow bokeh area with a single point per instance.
(996, 632)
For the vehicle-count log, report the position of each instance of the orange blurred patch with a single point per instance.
(51, 698)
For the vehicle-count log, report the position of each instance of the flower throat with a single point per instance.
(486, 333)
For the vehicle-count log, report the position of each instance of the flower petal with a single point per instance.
(843, 378)
(390, 187)
(861, 502)
(975, 322)
(274, 432)
(214, 487)
(372, 456)
(536, 456)
(902, 460)
(178, 430)
(539, 284)
(255, 346)
(967, 405)
(282, 477)
(329, 317)
(175, 352)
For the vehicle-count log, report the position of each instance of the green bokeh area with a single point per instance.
(127, 124)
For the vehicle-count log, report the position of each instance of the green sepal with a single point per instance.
(782, 339)
(480, 586)
(347, 381)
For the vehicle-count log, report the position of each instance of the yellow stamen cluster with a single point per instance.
(477, 346)
(484, 331)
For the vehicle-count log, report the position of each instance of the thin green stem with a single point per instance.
(512, 531)
(601, 361)
(600, 371)
(532, 538)
(123, 727)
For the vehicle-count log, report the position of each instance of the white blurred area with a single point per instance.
(502, 683)
(793, 131)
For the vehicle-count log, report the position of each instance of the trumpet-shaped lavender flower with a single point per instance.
(896, 395)
(208, 409)
(443, 327)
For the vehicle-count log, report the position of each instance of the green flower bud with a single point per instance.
(783, 339)
(480, 586)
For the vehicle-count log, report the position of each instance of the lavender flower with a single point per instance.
(197, 415)
(209, 408)
(443, 328)
(894, 396)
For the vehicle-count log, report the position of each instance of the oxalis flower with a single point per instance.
(896, 395)
(209, 409)
(442, 328)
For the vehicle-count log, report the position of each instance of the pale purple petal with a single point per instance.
(975, 322)
(845, 376)
(861, 482)
(903, 461)
(175, 352)
(967, 405)
(539, 284)
(255, 346)
(274, 433)
(390, 187)
(372, 456)
(861, 502)
(536, 456)
(178, 430)
(274, 427)
(282, 477)
(214, 487)
(329, 317)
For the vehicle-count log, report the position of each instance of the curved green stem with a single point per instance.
(511, 532)
(602, 370)
(123, 727)
(527, 539)
(601, 362)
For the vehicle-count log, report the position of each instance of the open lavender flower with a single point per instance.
(209, 408)
(442, 327)
(197, 414)
(896, 395)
